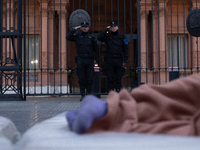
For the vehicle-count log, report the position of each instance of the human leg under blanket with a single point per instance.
(172, 108)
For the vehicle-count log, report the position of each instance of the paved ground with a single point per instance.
(25, 114)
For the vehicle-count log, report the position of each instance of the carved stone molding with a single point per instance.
(50, 14)
(10, 10)
(166, 1)
(50, 2)
(43, 11)
(147, 3)
(62, 13)
(155, 13)
(143, 13)
(195, 5)
(162, 11)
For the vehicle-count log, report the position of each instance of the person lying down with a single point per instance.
(172, 108)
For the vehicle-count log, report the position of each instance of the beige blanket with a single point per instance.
(172, 108)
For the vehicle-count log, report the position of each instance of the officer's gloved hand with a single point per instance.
(77, 27)
(91, 109)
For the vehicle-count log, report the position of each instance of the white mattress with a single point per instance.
(54, 134)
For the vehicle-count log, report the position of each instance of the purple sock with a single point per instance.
(70, 116)
(91, 109)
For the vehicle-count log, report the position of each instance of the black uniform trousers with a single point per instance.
(115, 72)
(85, 69)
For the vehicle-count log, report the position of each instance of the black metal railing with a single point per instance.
(11, 50)
(156, 32)
(50, 60)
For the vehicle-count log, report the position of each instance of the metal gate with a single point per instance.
(160, 47)
(49, 66)
(11, 50)
(127, 14)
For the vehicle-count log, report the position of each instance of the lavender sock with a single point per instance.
(70, 116)
(91, 109)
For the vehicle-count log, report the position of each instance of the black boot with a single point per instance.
(82, 96)
(117, 90)
(88, 92)
(82, 91)
(110, 90)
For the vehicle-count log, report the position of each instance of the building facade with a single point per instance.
(165, 39)
(50, 65)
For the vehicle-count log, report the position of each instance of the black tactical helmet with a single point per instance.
(84, 24)
(113, 23)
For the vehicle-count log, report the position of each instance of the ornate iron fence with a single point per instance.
(10, 50)
(160, 47)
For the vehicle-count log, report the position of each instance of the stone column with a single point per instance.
(62, 38)
(162, 35)
(50, 39)
(159, 39)
(155, 39)
(9, 27)
(162, 40)
(195, 40)
(44, 37)
(143, 23)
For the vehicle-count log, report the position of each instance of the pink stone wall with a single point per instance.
(40, 21)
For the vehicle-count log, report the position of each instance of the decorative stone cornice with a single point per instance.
(162, 11)
(62, 13)
(195, 4)
(50, 13)
(10, 10)
(45, 2)
(43, 11)
(143, 13)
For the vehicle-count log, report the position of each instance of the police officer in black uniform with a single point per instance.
(116, 55)
(86, 50)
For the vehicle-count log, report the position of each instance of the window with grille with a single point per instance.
(177, 51)
(32, 52)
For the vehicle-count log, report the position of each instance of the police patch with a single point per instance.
(125, 42)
